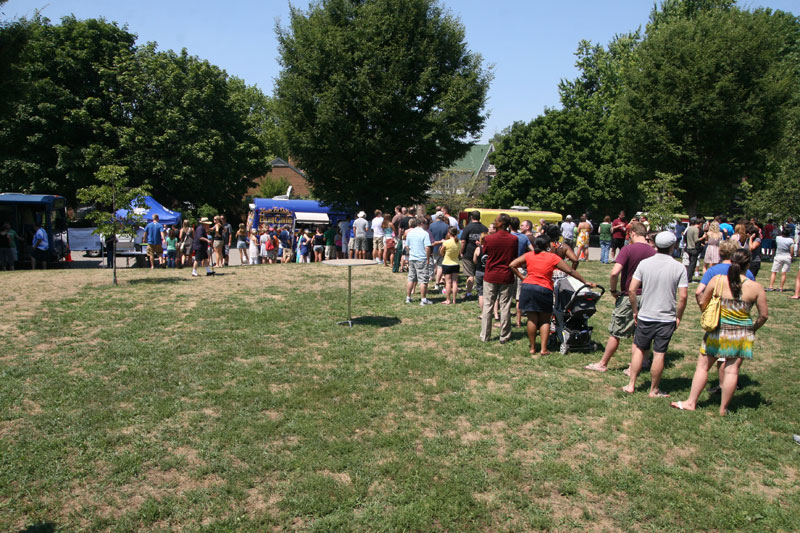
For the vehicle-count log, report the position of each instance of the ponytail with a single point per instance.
(740, 260)
(540, 244)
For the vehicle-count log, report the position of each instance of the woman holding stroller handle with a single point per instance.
(536, 296)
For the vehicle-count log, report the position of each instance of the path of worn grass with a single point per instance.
(237, 403)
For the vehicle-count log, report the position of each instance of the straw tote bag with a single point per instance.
(710, 317)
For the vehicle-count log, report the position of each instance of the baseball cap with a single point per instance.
(665, 239)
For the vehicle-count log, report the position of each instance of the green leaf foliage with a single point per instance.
(375, 96)
(191, 136)
(84, 95)
(563, 161)
(706, 101)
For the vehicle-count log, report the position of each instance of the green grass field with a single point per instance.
(237, 404)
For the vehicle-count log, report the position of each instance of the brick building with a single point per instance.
(287, 171)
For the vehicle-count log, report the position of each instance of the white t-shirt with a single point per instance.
(377, 222)
(661, 276)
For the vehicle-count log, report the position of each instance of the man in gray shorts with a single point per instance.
(360, 225)
(660, 312)
(419, 255)
(622, 324)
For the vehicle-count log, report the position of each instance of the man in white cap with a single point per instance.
(360, 226)
(657, 313)
(568, 232)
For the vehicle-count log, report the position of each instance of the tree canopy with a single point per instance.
(710, 108)
(83, 95)
(707, 96)
(375, 96)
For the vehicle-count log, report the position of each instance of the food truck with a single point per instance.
(49, 210)
(266, 212)
(522, 213)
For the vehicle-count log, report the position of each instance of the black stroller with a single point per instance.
(574, 303)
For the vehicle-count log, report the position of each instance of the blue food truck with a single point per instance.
(22, 211)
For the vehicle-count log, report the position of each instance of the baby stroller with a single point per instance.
(574, 303)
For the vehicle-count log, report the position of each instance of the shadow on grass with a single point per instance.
(47, 527)
(377, 321)
(748, 400)
(672, 385)
(157, 281)
(671, 356)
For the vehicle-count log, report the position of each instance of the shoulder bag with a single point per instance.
(709, 320)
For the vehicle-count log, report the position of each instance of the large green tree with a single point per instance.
(190, 137)
(570, 160)
(64, 124)
(375, 96)
(705, 102)
(80, 95)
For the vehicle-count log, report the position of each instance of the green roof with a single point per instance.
(473, 160)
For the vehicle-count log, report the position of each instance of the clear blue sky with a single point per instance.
(530, 42)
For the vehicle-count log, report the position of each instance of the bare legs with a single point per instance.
(655, 372)
(538, 323)
(450, 288)
(730, 369)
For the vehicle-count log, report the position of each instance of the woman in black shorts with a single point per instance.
(319, 245)
(536, 296)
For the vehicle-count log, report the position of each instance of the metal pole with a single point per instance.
(349, 312)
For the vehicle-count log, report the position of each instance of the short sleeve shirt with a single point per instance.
(330, 236)
(523, 243)
(629, 257)
(439, 231)
(417, 240)
(360, 227)
(451, 251)
(472, 234)
(199, 233)
(721, 269)
(619, 233)
(540, 268)
(783, 245)
(153, 231)
(661, 276)
(41, 237)
(500, 249)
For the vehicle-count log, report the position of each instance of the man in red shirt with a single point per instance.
(619, 229)
(500, 249)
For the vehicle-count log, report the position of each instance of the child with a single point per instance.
(172, 248)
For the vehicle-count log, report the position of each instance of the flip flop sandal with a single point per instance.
(677, 405)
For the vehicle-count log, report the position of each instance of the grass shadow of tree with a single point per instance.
(377, 321)
(157, 281)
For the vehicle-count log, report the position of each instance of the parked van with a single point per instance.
(521, 212)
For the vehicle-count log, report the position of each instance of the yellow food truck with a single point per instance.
(521, 212)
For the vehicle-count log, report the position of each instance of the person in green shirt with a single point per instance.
(605, 239)
(330, 243)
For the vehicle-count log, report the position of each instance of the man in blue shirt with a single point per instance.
(438, 231)
(419, 247)
(523, 246)
(41, 247)
(154, 233)
(725, 228)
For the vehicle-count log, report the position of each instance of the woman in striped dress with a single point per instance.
(733, 338)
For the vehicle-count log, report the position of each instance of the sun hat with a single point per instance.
(205, 220)
(361, 214)
(569, 217)
(665, 239)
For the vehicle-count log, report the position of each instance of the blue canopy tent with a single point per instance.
(272, 210)
(165, 216)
